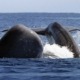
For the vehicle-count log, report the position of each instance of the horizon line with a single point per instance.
(43, 12)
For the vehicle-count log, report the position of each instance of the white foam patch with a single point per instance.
(56, 51)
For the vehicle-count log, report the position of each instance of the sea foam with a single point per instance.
(56, 51)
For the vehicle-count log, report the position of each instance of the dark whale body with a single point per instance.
(20, 42)
(62, 37)
(59, 35)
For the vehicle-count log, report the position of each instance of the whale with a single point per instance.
(62, 37)
(20, 42)
(55, 33)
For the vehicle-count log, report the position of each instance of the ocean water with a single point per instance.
(43, 68)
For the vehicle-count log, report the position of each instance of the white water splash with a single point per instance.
(56, 51)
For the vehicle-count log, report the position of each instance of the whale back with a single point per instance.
(20, 42)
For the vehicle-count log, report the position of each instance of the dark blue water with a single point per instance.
(39, 69)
